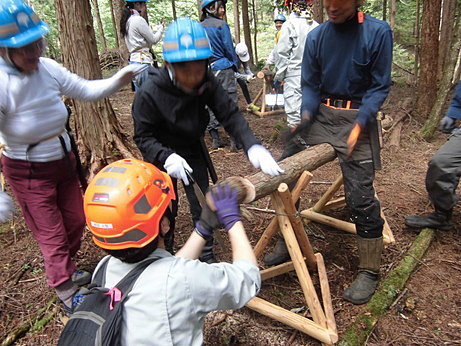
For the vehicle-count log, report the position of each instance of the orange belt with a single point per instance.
(341, 104)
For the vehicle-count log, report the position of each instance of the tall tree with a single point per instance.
(318, 10)
(392, 14)
(446, 32)
(417, 34)
(384, 9)
(173, 7)
(114, 23)
(255, 31)
(102, 37)
(427, 79)
(118, 9)
(246, 28)
(97, 128)
(236, 21)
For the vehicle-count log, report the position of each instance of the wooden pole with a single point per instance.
(328, 194)
(277, 270)
(293, 320)
(304, 278)
(263, 241)
(298, 227)
(326, 295)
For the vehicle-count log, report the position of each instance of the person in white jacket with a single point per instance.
(139, 36)
(37, 160)
(290, 49)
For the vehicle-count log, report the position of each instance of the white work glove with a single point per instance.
(447, 124)
(250, 77)
(260, 157)
(176, 166)
(126, 74)
(6, 207)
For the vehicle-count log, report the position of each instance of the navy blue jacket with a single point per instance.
(455, 108)
(220, 37)
(349, 61)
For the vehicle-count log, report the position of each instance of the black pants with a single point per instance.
(244, 87)
(360, 197)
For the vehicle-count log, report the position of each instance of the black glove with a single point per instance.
(207, 224)
(447, 124)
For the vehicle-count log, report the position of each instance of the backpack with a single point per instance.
(97, 320)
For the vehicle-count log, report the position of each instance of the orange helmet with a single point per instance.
(125, 202)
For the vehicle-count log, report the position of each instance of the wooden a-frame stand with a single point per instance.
(326, 202)
(322, 326)
(262, 95)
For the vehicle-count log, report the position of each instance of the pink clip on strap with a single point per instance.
(115, 296)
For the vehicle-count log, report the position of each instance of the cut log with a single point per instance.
(306, 160)
(394, 138)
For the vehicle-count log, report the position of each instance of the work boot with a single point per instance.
(278, 255)
(440, 219)
(364, 285)
(217, 142)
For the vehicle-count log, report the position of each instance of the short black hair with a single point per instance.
(134, 255)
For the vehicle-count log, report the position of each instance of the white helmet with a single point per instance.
(241, 50)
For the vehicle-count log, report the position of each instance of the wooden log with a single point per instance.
(304, 278)
(335, 203)
(265, 114)
(328, 195)
(394, 138)
(326, 295)
(293, 320)
(306, 160)
(277, 270)
(256, 99)
(298, 227)
(273, 227)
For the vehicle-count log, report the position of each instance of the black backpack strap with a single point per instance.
(99, 277)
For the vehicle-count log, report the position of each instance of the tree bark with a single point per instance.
(446, 31)
(114, 24)
(417, 34)
(102, 37)
(392, 15)
(306, 160)
(255, 33)
(118, 8)
(427, 81)
(246, 28)
(97, 128)
(446, 83)
(173, 8)
(318, 10)
(384, 10)
(236, 21)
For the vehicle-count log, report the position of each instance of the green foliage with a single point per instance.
(47, 12)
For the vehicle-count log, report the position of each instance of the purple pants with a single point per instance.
(51, 201)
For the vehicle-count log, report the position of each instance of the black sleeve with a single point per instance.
(229, 116)
(147, 120)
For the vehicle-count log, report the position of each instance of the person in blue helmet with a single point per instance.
(224, 60)
(278, 22)
(37, 160)
(170, 115)
(139, 37)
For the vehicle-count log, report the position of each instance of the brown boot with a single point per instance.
(364, 285)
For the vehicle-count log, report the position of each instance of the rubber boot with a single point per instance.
(440, 219)
(217, 142)
(207, 255)
(364, 285)
(278, 255)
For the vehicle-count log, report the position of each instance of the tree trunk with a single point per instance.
(318, 10)
(199, 9)
(417, 34)
(255, 33)
(97, 128)
(173, 7)
(246, 28)
(236, 21)
(114, 24)
(446, 31)
(446, 83)
(427, 81)
(392, 15)
(306, 160)
(102, 37)
(384, 10)
(118, 8)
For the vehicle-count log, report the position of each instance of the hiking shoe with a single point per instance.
(252, 107)
(437, 220)
(81, 277)
(218, 143)
(362, 289)
(278, 255)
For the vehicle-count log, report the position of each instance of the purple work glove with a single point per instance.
(227, 208)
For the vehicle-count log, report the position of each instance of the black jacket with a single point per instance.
(167, 120)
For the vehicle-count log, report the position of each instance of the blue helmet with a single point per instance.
(205, 3)
(19, 24)
(185, 40)
(280, 18)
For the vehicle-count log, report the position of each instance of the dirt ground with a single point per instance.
(426, 312)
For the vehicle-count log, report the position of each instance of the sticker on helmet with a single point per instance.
(102, 225)
(101, 197)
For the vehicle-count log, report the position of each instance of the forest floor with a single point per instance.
(426, 313)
